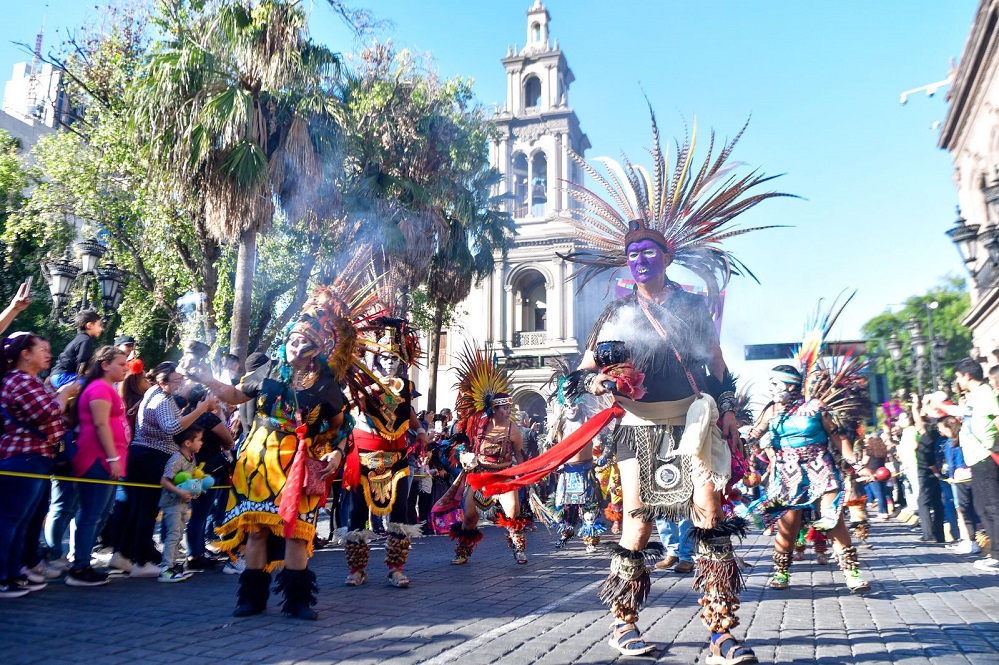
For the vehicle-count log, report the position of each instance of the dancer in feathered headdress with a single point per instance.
(484, 408)
(657, 351)
(298, 442)
(382, 398)
(577, 492)
(815, 403)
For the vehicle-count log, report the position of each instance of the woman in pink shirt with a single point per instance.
(101, 449)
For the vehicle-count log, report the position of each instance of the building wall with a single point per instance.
(970, 133)
(41, 102)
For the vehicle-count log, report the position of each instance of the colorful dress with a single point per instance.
(266, 458)
(804, 469)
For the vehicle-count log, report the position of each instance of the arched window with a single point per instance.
(536, 32)
(520, 185)
(532, 298)
(532, 92)
(539, 184)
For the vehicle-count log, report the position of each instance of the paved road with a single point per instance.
(927, 606)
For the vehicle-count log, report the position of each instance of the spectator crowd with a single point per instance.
(135, 461)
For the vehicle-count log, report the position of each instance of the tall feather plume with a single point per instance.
(809, 353)
(479, 379)
(692, 207)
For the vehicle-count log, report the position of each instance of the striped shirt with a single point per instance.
(157, 421)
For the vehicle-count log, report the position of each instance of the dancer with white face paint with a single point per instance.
(805, 485)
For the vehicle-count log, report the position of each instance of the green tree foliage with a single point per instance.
(418, 148)
(230, 167)
(953, 303)
(236, 102)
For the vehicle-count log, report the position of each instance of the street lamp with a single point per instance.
(894, 347)
(965, 238)
(61, 275)
(992, 247)
(918, 343)
(990, 190)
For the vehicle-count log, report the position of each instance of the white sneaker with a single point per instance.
(236, 567)
(988, 565)
(145, 570)
(968, 547)
(120, 562)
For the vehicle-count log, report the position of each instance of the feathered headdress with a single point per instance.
(808, 354)
(564, 383)
(686, 211)
(480, 379)
(834, 378)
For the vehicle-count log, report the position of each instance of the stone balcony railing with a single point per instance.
(532, 338)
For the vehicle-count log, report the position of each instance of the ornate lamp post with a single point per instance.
(61, 275)
(965, 238)
(919, 349)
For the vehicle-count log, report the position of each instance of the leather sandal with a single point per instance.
(357, 578)
(726, 650)
(398, 579)
(627, 639)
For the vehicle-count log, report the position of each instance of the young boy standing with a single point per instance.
(78, 352)
(176, 502)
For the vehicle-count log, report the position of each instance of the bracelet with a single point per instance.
(727, 402)
(112, 459)
(588, 381)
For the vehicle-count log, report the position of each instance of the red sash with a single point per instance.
(533, 470)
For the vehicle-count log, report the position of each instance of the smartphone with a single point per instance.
(27, 285)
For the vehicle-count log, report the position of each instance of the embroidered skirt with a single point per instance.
(801, 477)
(257, 483)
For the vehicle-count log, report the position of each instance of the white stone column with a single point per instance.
(556, 304)
(563, 195)
(570, 308)
(507, 315)
(552, 91)
(490, 311)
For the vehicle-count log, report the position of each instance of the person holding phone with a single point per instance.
(18, 304)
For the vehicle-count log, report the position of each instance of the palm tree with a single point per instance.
(237, 104)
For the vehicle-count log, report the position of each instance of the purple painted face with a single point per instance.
(647, 261)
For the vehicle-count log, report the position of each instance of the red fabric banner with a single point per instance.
(292, 492)
(533, 470)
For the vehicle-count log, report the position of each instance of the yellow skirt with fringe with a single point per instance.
(257, 482)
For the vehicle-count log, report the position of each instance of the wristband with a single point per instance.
(112, 459)
(420, 431)
(727, 401)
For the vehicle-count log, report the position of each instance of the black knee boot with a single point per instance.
(299, 587)
(254, 588)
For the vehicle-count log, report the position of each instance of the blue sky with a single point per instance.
(821, 81)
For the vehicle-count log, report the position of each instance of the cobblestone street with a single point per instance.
(926, 606)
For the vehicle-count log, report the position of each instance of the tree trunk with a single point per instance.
(210, 286)
(298, 300)
(435, 350)
(242, 294)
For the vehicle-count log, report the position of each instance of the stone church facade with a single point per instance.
(529, 310)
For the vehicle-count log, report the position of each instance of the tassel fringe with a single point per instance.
(405, 530)
(514, 524)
